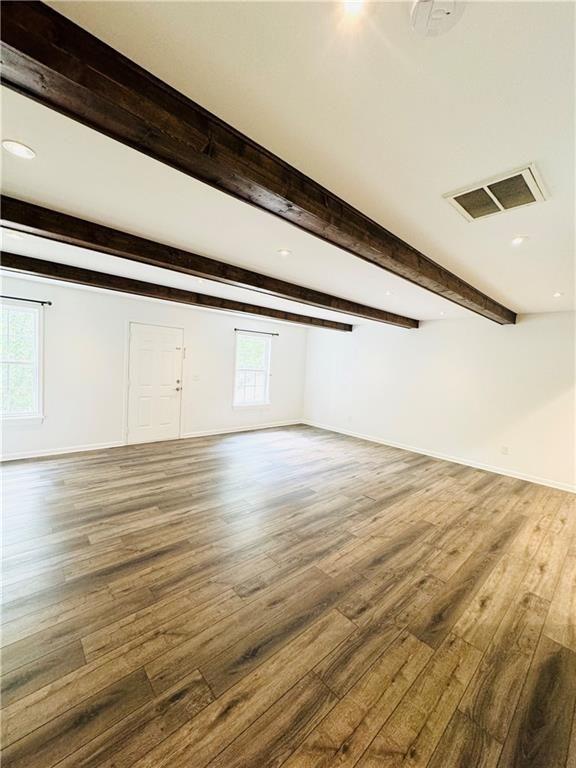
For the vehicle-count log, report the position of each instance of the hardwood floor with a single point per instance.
(285, 597)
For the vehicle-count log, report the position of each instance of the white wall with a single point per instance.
(86, 345)
(458, 389)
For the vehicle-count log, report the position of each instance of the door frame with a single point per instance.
(129, 324)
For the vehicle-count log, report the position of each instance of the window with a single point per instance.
(20, 355)
(251, 385)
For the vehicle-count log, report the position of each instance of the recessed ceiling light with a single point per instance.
(388, 293)
(284, 252)
(516, 241)
(18, 149)
(442, 314)
(557, 295)
(14, 235)
(353, 7)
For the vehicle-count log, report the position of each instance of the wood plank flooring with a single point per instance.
(286, 597)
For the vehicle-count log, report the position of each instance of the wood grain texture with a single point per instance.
(57, 63)
(465, 744)
(285, 597)
(561, 621)
(63, 228)
(80, 276)
(506, 660)
(411, 734)
(539, 736)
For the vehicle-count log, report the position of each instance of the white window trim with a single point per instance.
(267, 402)
(31, 418)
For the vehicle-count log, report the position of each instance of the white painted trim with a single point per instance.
(571, 488)
(119, 443)
(20, 421)
(59, 451)
(206, 433)
(253, 428)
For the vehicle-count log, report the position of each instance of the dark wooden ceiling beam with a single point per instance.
(34, 219)
(54, 61)
(80, 276)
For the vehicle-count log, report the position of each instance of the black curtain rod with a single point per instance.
(264, 333)
(32, 301)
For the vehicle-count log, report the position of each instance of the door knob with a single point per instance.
(178, 389)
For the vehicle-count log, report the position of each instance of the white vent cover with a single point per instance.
(499, 194)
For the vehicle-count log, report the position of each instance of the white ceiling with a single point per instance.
(41, 248)
(84, 173)
(385, 119)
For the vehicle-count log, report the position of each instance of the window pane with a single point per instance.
(19, 338)
(251, 353)
(19, 356)
(19, 397)
(4, 334)
(4, 392)
(252, 369)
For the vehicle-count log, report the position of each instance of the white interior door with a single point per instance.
(155, 383)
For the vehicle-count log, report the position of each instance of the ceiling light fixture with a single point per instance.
(557, 295)
(284, 252)
(18, 149)
(388, 293)
(442, 314)
(353, 7)
(516, 241)
(431, 18)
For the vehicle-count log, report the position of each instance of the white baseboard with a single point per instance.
(36, 454)
(59, 451)
(231, 430)
(571, 488)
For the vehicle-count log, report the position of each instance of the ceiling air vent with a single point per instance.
(499, 194)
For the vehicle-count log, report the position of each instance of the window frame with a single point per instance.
(38, 416)
(267, 338)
